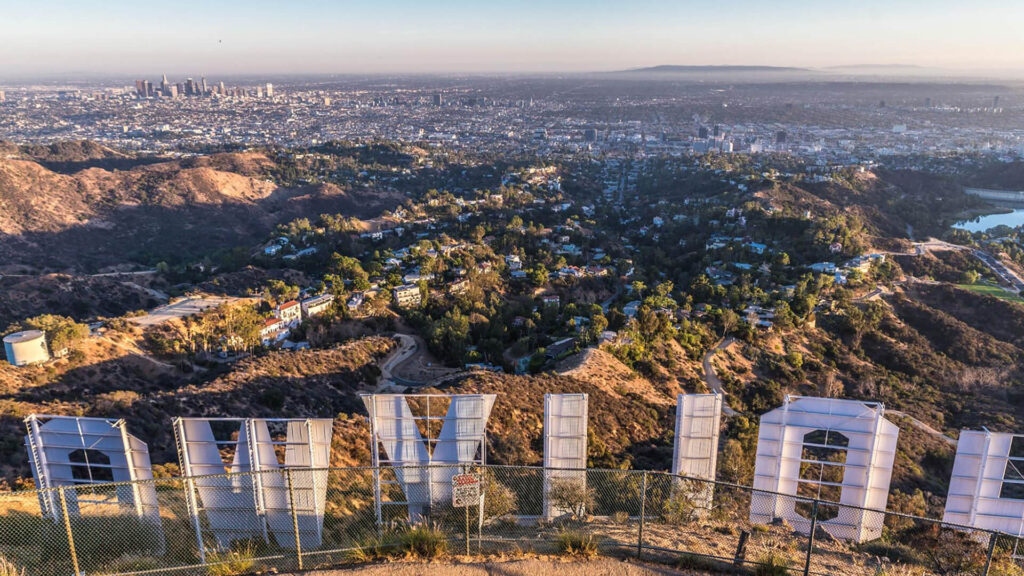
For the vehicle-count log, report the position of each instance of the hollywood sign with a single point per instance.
(839, 452)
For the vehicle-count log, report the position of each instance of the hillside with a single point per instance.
(114, 383)
(166, 210)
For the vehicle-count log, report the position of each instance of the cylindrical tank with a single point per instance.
(27, 347)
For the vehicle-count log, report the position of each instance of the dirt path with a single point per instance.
(528, 567)
(712, 379)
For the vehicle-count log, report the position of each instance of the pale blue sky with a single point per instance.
(256, 36)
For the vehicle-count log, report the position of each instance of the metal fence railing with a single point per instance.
(286, 520)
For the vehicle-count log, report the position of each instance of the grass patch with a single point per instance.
(423, 541)
(772, 564)
(576, 543)
(230, 562)
(991, 290)
(8, 568)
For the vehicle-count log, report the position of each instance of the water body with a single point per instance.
(983, 223)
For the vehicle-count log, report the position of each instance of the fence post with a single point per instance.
(810, 539)
(643, 515)
(295, 516)
(67, 527)
(991, 550)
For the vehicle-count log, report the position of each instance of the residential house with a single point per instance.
(316, 305)
(274, 330)
(408, 295)
(289, 312)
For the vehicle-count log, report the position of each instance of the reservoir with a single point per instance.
(982, 223)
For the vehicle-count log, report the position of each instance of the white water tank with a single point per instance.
(27, 347)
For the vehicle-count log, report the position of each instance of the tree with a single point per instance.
(61, 332)
(277, 291)
(348, 268)
(729, 320)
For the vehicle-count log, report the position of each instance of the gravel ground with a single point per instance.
(526, 567)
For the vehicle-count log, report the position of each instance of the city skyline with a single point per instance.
(120, 38)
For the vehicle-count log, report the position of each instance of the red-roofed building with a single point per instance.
(289, 312)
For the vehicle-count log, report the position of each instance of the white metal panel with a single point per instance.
(565, 443)
(396, 433)
(695, 454)
(258, 504)
(51, 441)
(975, 488)
(869, 456)
(228, 502)
(698, 418)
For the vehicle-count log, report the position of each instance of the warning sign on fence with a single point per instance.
(465, 490)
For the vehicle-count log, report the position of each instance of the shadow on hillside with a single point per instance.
(111, 164)
(147, 234)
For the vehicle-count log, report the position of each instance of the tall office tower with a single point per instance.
(173, 91)
(780, 137)
(165, 86)
(206, 89)
(3, 96)
(928, 102)
(149, 89)
(270, 90)
(438, 100)
(995, 102)
(190, 87)
(222, 92)
(718, 131)
(140, 88)
(702, 132)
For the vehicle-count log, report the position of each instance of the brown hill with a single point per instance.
(168, 210)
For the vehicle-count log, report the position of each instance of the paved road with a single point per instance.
(183, 308)
(712, 379)
(999, 269)
(407, 346)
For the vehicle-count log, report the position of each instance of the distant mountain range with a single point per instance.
(668, 68)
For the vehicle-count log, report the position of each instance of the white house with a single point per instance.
(316, 305)
(289, 312)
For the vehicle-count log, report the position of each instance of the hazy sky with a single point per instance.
(256, 36)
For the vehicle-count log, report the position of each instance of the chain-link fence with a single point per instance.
(295, 519)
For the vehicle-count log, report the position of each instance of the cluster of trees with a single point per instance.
(62, 332)
(232, 327)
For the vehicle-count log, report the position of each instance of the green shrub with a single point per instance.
(680, 507)
(576, 543)
(230, 562)
(572, 495)
(499, 499)
(370, 549)
(1005, 567)
(772, 564)
(423, 541)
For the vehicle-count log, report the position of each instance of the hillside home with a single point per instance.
(289, 312)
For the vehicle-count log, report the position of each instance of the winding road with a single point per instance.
(407, 346)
